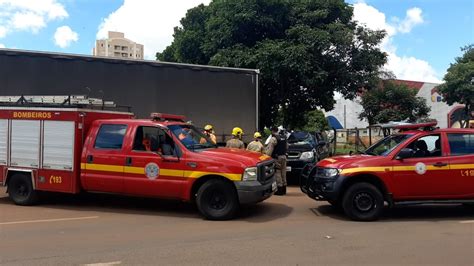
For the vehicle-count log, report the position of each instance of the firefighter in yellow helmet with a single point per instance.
(209, 131)
(236, 140)
(256, 145)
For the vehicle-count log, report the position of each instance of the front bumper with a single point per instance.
(254, 191)
(297, 166)
(320, 188)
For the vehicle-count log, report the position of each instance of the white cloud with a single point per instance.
(28, 15)
(64, 36)
(412, 19)
(2, 45)
(404, 67)
(28, 21)
(3, 31)
(150, 23)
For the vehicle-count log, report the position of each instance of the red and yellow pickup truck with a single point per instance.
(74, 149)
(419, 164)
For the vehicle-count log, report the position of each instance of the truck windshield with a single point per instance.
(191, 138)
(300, 137)
(387, 144)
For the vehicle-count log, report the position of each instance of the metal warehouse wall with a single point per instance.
(222, 97)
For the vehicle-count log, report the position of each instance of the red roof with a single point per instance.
(411, 84)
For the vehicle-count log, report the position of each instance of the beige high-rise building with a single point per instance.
(116, 45)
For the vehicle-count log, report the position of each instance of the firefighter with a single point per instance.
(277, 148)
(236, 140)
(209, 131)
(256, 145)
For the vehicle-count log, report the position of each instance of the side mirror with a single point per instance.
(405, 153)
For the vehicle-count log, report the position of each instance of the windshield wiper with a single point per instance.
(200, 146)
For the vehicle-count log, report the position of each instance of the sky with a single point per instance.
(424, 36)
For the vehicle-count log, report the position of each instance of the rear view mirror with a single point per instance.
(405, 153)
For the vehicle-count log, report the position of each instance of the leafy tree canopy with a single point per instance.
(315, 121)
(306, 50)
(392, 102)
(459, 82)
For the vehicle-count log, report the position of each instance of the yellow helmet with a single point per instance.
(237, 131)
(208, 127)
(257, 135)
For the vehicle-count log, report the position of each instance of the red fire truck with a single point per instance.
(62, 144)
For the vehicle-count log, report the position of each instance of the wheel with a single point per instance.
(363, 202)
(20, 190)
(217, 200)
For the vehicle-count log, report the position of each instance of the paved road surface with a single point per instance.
(290, 230)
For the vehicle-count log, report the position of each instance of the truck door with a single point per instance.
(426, 173)
(461, 151)
(104, 163)
(152, 166)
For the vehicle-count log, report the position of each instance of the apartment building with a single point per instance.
(117, 46)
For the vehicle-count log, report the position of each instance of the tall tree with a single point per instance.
(306, 50)
(315, 121)
(459, 83)
(392, 102)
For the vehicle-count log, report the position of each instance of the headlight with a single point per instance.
(250, 174)
(327, 172)
(307, 155)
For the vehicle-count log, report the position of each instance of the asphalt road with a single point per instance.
(290, 230)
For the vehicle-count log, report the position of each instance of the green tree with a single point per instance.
(306, 50)
(459, 83)
(315, 121)
(392, 102)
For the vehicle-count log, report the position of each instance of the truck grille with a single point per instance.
(266, 171)
(294, 154)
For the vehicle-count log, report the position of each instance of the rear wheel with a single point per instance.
(20, 190)
(217, 200)
(363, 202)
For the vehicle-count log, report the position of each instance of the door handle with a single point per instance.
(440, 164)
(128, 161)
(90, 159)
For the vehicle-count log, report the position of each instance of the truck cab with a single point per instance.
(172, 159)
(418, 164)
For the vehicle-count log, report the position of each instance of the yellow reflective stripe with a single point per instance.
(134, 170)
(365, 169)
(103, 167)
(404, 168)
(462, 166)
(171, 172)
(164, 172)
(198, 174)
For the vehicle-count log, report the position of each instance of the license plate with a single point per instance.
(288, 168)
(274, 186)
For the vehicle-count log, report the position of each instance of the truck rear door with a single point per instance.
(152, 165)
(103, 165)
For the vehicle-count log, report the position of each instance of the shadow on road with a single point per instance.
(264, 212)
(427, 213)
(109, 203)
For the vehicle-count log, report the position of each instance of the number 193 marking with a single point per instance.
(55, 179)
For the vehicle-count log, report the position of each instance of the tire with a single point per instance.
(363, 202)
(20, 190)
(217, 200)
